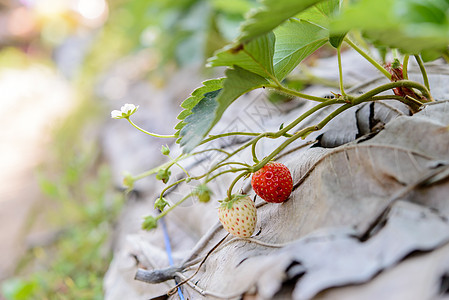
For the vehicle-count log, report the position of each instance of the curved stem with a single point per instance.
(368, 96)
(368, 58)
(233, 163)
(149, 133)
(409, 101)
(217, 136)
(181, 167)
(405, 66)
(307, 114)
(253, 152)
(234, 183)
(216, 167)
(163, 166)
(285, 129)
(302, 133)
(210, 150)
(166, 211)
(423, 71)
(170, 186)
(226, 171)
(291, 92)
(391, 85)
(340, 71)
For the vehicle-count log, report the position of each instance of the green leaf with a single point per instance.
(271, 14)
(255, 56)
(320, 13)
(409, 25)
(232, 6)
(196, 96)
(238, 82)
(198, 124)
(295, 40)
(430, 55)
(336, 39)
(211, 107)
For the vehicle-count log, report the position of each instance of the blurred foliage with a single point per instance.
(11, 57)
(177, 33)
(412, 26)
(72, 265)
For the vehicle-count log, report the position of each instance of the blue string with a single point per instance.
(169, 252)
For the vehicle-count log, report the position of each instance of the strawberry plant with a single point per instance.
(275, 39)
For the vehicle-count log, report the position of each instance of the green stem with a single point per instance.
(232, 163)
(216, 167)
(149, 133)
(285, 129)
(214, 137)
(225, 172)
(234, 182)
(368, 96)
(405, 66)
(395, 53)
(423, 71)
(291, 92)
(391, 85)
(173, 162)
(368, 58)
(253, 152)
(413, 103)
(166, 211)
(210, 150)
(340, 71)
(182, 168)
(163, 166)
(302, 133)
(170, 186)
(306, 114)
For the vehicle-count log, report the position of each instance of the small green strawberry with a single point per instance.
(203, 193)
(128, 181)
(238, 215)
(165, 150)
(160, 204)
(149, 223)
(164, 175)
(273, 183)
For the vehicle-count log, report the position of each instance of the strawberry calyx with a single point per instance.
(396, 70)
(228, 203)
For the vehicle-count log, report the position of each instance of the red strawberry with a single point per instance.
(238, 216)
(273, 183)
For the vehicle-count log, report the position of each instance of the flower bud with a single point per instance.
(164, 175)
(149, 223)
(160, 204)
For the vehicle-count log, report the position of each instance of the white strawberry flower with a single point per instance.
(125, 111)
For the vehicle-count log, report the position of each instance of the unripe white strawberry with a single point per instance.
(238, 216)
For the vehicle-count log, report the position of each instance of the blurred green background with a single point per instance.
(58, 205)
